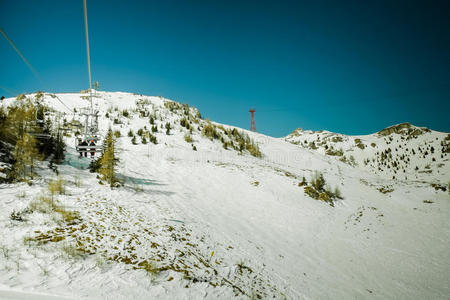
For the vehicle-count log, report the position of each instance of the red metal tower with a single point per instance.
(252, 124)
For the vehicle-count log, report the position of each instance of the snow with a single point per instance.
(243, 225)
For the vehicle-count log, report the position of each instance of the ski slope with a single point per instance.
(217, 224)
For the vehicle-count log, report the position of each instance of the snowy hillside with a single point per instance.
(403, 151)
(211, 211)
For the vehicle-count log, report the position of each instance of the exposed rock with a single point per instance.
(405, 129)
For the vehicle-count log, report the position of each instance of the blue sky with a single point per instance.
(353, 67)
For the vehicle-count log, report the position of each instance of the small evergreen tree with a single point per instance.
(318, 182)
(303, 182)
(108, 160)
(152, 139)
(60, 147)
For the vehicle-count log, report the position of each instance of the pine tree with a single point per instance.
(3, 124)
(26, 156)
(167, 128)
(60, 147)
(108, 161)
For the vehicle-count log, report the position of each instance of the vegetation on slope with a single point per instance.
(27, 136)
(317, 189)
(106, 164)
(401, 151)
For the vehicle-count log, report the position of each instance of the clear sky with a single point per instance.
(353, 67)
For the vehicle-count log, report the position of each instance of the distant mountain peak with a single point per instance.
(405, 129)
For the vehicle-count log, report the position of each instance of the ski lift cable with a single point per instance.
(62, 102)
(36, 74)
(14, 93)
(87, 42)
(90, 133)
(32, 69)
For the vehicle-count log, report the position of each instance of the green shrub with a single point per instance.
(117, 133)
(318, 191)
(172, 106)
(336, 139)
(253, 149)
(152, 139)
(19, 215)
(310, 191)
(324, 197)
(94, 165)
(167, 128)
(303, 182)
(21, 97)
(318, 181)
(359, 144)
(188, 138)
(209, 130)
(333, 152)
(184, 123)
(312, 145)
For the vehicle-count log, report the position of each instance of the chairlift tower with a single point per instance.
(252, 124)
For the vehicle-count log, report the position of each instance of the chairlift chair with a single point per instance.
(89, 140)
(88, 144)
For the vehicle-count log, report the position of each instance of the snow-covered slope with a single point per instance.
(217, 222)
(404, 151)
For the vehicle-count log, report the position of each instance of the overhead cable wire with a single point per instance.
(87, 42)
(33, 70)
(70, 109)
(9, 91)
